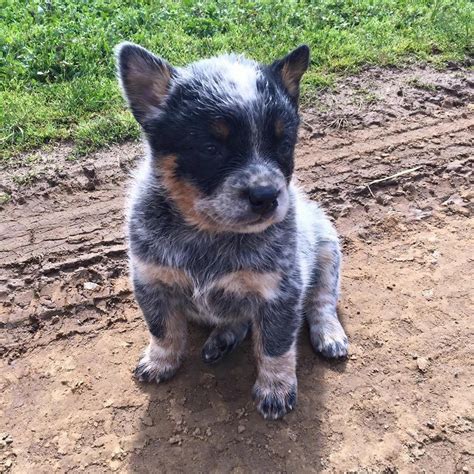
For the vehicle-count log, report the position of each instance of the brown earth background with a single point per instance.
(388, 153)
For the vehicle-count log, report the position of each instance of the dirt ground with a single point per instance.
(71, 332)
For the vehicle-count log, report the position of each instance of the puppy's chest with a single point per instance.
(224, 276)
(209, 284)
(219, 287)
(237, 294)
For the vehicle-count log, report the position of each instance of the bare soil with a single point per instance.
(71, 332)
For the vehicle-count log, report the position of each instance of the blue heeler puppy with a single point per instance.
(217, 231)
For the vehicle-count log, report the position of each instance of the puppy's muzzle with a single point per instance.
(263, 199)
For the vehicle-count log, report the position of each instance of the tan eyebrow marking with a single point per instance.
(279, 127)
(221, 129)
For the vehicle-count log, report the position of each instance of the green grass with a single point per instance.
(56, 57)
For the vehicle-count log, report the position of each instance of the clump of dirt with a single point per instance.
(389, 154)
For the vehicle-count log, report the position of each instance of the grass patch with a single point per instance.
(56, 58)
(4, 198)
(365, 96)
(25, 179)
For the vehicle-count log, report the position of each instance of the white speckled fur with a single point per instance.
(313, 227)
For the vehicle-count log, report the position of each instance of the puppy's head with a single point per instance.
(221, 131)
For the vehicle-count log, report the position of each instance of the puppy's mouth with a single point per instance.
(261, 219)
(255, 223)
(246, 225)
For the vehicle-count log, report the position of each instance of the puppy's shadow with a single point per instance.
(204, 418)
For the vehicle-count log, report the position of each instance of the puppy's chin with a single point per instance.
(263, 223)
(253, 225)
(255, 228)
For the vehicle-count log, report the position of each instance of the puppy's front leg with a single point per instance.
(274, 336)
(167, 326)
(327, 334)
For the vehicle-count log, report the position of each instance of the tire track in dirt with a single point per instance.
(71, 331)
(38, 246)
(371, 144)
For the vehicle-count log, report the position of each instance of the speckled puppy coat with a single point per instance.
(217, 232)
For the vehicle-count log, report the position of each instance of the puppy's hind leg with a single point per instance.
(223, 340)
(326, 332)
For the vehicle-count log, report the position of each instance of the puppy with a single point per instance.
(217, 232)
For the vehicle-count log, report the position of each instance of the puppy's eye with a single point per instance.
(211, 150)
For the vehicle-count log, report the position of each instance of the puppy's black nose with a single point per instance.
(263, 199)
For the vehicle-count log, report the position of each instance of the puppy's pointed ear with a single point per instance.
(291, 68)
(145, 79)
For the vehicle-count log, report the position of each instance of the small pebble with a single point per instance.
(422, 364)
(147, 420)
(89, 285)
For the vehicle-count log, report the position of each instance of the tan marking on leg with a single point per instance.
(326, 332)
(275, 372)
(184, 195)
(150, 273)
(245, 282)
(163, 356)
(276, 377)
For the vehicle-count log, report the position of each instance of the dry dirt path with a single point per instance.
(70, 332)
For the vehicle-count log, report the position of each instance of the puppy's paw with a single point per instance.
(215, 349)
(154, 370)
(222, 341)
(333, 349)
(329, 339)
(274, 403)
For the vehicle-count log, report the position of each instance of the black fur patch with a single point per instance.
(185, 128)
